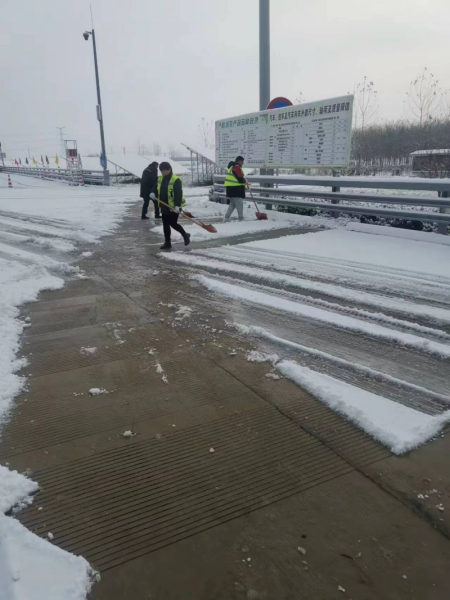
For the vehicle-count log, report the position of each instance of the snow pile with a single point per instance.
(31, 568)
(398, 427)
(97, 391)
(14, 488)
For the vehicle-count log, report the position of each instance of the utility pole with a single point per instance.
(264, 68)
(106, 180)
(264, 54)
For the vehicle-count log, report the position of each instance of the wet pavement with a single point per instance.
(231, 485)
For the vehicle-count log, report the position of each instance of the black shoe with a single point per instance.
(158, 217)
(166, 246)
(144, 217)
(187, 239)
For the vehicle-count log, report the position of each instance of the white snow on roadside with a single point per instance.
(254, 296)
(31, 217)
(260, 332)
(32, 568)
(359, 248)
(398, 427)
(15, 489)
(396, 232)
(197, 259)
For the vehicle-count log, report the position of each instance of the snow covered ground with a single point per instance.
(198, 204)
(42, 224)
(363, 320)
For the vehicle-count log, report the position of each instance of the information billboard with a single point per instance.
(315, 134)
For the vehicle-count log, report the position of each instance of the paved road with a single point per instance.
(229, 473)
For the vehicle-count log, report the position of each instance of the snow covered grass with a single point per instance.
(41, 223)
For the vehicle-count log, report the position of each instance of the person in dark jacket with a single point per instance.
(148, 182)
(235, 185)
(169, 189)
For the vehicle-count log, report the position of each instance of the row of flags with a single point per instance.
(18, 162)
(35, 162)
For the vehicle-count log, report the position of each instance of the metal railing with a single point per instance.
(70, 176)
(287, 197)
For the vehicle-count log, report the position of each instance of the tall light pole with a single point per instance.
(264, 68)
(264, 54)
(86, 35)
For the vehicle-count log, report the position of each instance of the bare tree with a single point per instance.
(365, 104)
(173, 151)
(205, 130)
(422, 100)
(444, 106)
(157, 150)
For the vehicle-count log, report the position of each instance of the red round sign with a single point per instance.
(279, 102)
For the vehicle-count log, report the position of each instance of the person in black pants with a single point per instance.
(148, 182)
(169, 189)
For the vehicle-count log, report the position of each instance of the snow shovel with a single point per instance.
(259, 215)
(209, 228)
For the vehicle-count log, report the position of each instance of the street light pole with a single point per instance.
(106, 180)
(264, 54)
(264, 68)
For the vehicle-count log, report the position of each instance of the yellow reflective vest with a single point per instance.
(231, 179)
(170, 194)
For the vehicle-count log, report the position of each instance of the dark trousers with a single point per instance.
(145, 206)
(171, 220)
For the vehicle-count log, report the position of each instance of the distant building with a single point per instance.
(431, 163)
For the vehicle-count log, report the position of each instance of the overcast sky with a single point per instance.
(164, 64)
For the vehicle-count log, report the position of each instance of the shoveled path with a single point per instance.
(234, 486)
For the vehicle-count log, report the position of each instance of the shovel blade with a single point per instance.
(261, 216)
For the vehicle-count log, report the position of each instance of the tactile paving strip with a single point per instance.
(123, 503)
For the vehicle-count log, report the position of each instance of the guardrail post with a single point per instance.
(268, 185)
(442, 228)
(335, 188)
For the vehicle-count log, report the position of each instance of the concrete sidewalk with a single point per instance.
(234, 486)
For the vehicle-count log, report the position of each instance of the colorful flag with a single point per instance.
(79, 161)
(15, 162)
(46, 158)
(57, 160)
(26, 160)
(34, 161)
(20, 161)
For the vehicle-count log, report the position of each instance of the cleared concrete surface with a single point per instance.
(228, 473)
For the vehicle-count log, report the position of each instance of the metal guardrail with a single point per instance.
(70, 176)
(271, 195)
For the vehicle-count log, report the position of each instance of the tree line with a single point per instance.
(424, 126)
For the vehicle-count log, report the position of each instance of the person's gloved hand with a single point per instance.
(176, 209)
(152, 196)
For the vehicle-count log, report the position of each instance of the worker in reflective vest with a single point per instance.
(169, 189)
(235, 185)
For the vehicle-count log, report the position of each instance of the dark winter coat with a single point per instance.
(148, 181)
(177, 193)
